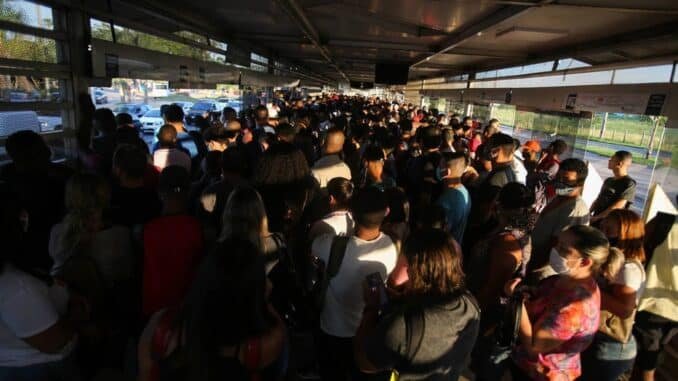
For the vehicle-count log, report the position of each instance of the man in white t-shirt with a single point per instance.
(368, 251)
(32, 333)
(168, 153)
(331, 165)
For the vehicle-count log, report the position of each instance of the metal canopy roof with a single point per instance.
(343, 39)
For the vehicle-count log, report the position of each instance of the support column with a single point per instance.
(603, 125)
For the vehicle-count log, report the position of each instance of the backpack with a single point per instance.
(288, 296)
(325, 272)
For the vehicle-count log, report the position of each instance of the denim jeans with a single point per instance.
(607, 359)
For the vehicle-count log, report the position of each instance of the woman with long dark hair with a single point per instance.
(226, 329)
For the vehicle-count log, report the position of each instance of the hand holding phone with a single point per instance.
(377, 290)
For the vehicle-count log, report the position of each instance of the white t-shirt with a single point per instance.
(164, 157)
(337, 223)
(26, 309)
(111, 249)
(343, 308)
(632, 275)
(329, 167)
(518, 168)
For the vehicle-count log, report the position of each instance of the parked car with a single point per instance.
(137, 110)
(235, 104)
(221, 103)
(100, 97)
(186, 106)
(203, 109)
(13, 121)
(151, 121)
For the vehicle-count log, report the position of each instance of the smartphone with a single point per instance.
(376, 284)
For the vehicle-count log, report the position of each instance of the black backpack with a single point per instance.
(325, 272)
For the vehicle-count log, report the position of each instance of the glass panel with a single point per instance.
(27, 47)
(22, 88)
(570, 63)
(133, 37)
(38, 121)
(666, 169)
(27, 13)
(645, 74)
(516, 70)
(257, 58)
(481, 113)
(219, 44)
(216, 57)
(100, 29)
(576, 79)
(257, 67)
(455, 107)
(192, 36)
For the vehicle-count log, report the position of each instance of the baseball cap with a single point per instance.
(532, 145)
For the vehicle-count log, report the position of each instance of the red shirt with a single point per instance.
(173, 247)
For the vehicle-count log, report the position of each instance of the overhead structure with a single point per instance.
(342, 40)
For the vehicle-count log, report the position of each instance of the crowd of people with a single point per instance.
(348, 238)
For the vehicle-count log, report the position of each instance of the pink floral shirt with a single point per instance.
(571, 315)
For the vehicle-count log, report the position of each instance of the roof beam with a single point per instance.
(297, 15)
(605, 45)
(485, 53)
(635, 10)
(503, 14)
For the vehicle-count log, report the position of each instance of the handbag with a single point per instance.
(616, 327)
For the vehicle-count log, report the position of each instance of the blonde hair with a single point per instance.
(86, 197)
(592, 243)
(244, 216)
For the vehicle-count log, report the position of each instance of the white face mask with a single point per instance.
(558, 263)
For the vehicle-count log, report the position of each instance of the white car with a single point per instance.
(151, 121)
(184, 106)
(221, 103)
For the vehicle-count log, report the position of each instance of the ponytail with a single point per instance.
(612, 264)
(592, 243)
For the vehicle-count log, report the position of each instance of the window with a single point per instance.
(258, 63)
(26, 13)
(27, 47)
(516, 70)
(570, 63)
(575, 79)
(133, 37)
(192, 36)
(21, 89)
(219, 44)
(457, 78)
(100, 29)
(645, 74)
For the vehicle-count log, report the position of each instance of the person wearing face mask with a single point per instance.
(454, 199)
(501, 151)
(566, 209)
(559, 320)
(614, 348)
